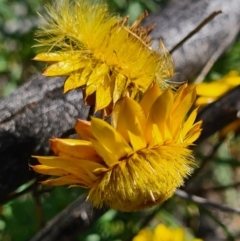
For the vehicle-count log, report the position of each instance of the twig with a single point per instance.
(214, 58)
(70, 222)
(14, 195)
(220, 113)
(38, 207)
(202, 24)
(91, 112)
(205, 202)
(68, 133)
(220, 188)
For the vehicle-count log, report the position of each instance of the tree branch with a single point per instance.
(73, 220)
(206, 203)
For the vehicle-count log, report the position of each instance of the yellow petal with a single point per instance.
(193, 133)
(204, 100)
(54, 171)
(144, 235)
(74, 148)
(83, 169)
(134, 91)
(83, 129)
(183, 91)
(87, 71)
(189, 122)
(68, 163)
(232, 78)
(212, 89)
(51, 57)
(96, 77)
(120, 84)
(64, 67)
(73, 81)
(115, 114)
(161, 109)
(107, 155)
(85, 174)
(153, 134)
(163, 231)
(149, 97)
(132, 121)
(103, 94)
(180, 111)
(70, 179)
(111, 141)
(90, 89)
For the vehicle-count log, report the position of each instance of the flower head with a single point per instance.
(163, 233)
(136, 162)
(100, 53)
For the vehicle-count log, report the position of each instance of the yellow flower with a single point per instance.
(163, 233)
(99, 52)
(210, 92)
(137, 162)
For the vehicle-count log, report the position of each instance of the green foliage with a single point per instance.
(18, 20)
(20, 219)
(229, 61)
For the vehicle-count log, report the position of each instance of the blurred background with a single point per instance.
(21, 218)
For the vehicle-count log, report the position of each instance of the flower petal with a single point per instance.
(120, 84)
(74, 81)
(64, 67)
(103, 94)
(193, 133)
(51, 56)
(53, 171)
(83, 129)
(132, 122)
(68, 163)
(74, 148)
(149, 97)
(212, 89)
(109, 158)
(181, 108)
(189, 122)
(96, 78)
(109, 139)
(161, 110)
(204, 101)
(69, 179)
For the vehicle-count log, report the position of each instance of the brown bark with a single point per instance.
(71, 221)
(178, 18)
(29, 116)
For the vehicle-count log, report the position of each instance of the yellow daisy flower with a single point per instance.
(163, 233)
(137, 162)
(100, 53)
(210, 92)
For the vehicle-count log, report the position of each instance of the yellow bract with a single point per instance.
(136, 162)
(163, 233)
(100, 53)
(209, 92)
